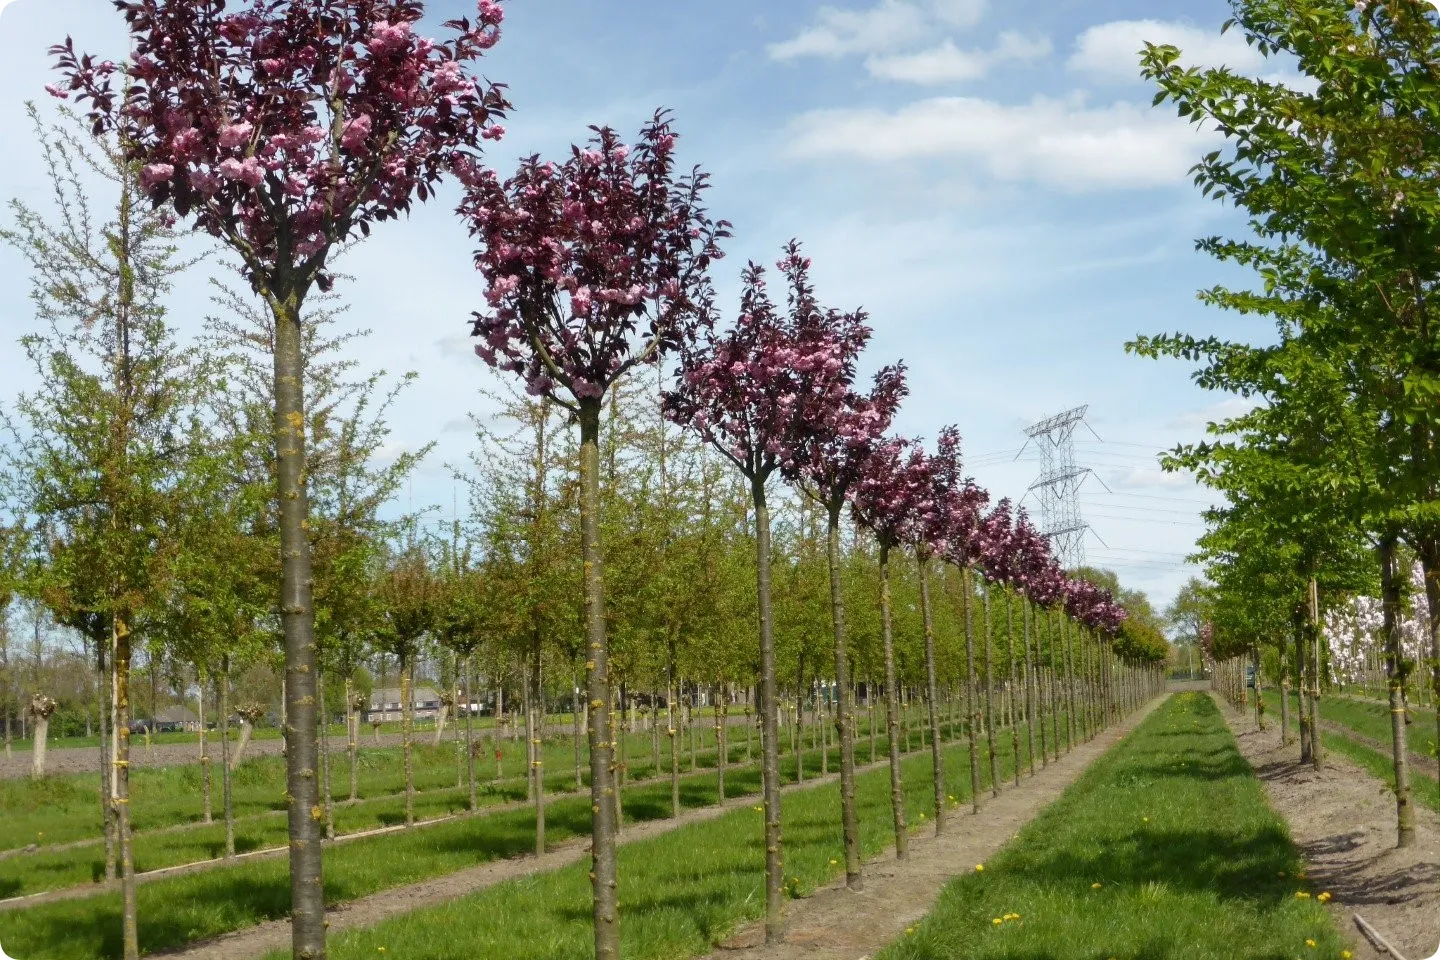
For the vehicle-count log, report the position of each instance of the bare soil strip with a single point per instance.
(836, 924)
(1343, 822)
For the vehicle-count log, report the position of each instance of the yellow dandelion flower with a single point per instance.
(1096, 886)
(1301, 895)
(834, 862)
(1346, 955)
(997, 921)
(1310, 944)
(909, 930)
(1324, 897)
(979, 868)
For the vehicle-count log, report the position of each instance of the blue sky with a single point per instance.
(986, 177)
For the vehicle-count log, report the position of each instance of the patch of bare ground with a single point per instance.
(835, 923)
(1343, 822)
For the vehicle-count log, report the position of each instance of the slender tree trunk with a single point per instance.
(769, 722)
(1297, 629)
(844, 705)
(352, 736)
(307, 890)
(1073, 720)
(1032, 690)
(473, 799)
(537, 744)
(327, 798)
(1259, 699)
(120, 784)
(209, 814)
(972, 723)
(1052, 637)
(722, 740)
(1390, 604)
(1312, 641)
(407, 732)
(1014, 682)
(990, 690)
(892, 710)
(107, 754)
(932, 691)
(227, 782)
(603, 872)
(671, 730)
(1284, 695)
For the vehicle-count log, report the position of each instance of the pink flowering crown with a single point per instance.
(284, 127)
(594, 265)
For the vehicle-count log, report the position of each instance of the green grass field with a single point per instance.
(1165, 849)
(177, 910)
(680, 892)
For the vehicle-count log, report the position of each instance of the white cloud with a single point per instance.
(947, 63)
(1198, 420)
(889, 25)
(1059, 142)
(958, 13)
(1111, 51)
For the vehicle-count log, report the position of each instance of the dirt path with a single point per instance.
(1343, 822)
(835, 924)
(273, 935)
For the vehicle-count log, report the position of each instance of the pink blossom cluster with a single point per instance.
(773, 391)
(895, 497)
(592, 266)
(285, 127)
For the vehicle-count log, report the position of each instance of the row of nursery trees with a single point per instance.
(1333, 476)
(286, 130)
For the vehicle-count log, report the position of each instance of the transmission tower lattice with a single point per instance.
(1058, 486)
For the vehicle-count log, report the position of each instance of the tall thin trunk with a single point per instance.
(307, 889)
(892, 709)
(1032, 705)
(1052, 638)
(932, 691)
(671, 730)
(1072, 721)
(407, 731)
(470, 734)
(770, 721)
(107, 756)
(1297, 630)
(1013, 659)
(1259, 699)
(1390, 604)
(352, 735)
(120, 783)
(844, 705)
(990, 690)
(204, 747)
(327, 802)
(227, 782)
(537, 743)
(967, 592)
(722, 740)
(603, 872)
(1312, 643)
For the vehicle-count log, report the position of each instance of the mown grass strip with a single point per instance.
(1165, 848)
(178, 910)
(680, 893)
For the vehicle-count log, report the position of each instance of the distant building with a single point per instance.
(177, 718)
(385, 704)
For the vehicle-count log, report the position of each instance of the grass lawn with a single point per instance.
(1164, 850)
(174, 911)
(64, 809)
(679, 893)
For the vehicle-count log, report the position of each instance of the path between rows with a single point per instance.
(263, 938)
(1420, 761)
(836, 924)
(1343, 822)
